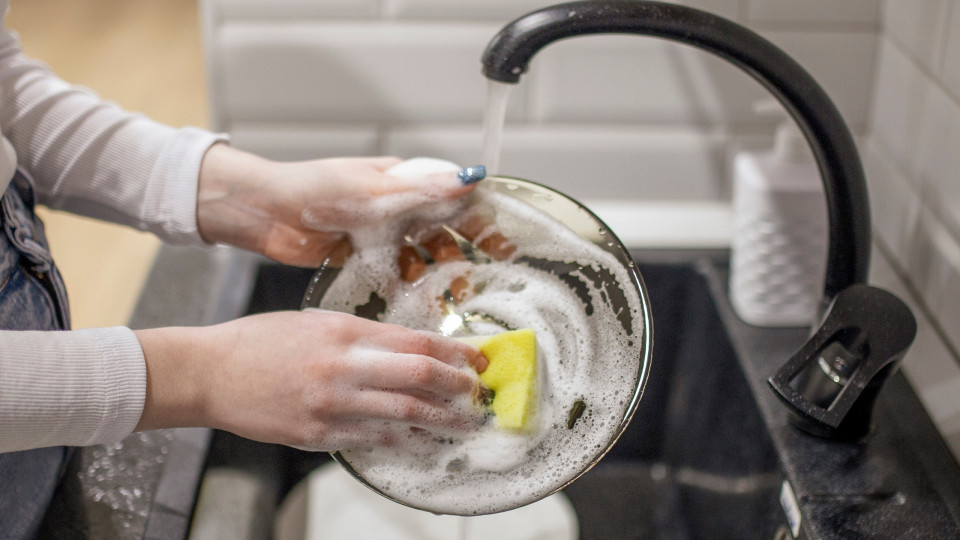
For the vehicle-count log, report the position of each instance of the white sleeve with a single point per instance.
(71, 388)
(90, 157)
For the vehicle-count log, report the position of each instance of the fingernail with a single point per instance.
(472, 175)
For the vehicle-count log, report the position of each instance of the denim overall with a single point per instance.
(32, 297)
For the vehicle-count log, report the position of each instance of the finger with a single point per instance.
(415, 374)
(481, 363)
(444, 349)
(481, 230)
(413, 410)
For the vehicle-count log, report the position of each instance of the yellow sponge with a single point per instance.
(512, 375)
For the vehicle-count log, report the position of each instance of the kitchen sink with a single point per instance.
(695, 462)
(711, 450)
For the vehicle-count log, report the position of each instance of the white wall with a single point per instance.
(912, 157)
(625, 119)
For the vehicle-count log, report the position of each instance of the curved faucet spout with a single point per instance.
(510, 51)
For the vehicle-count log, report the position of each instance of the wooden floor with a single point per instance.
(145, 55)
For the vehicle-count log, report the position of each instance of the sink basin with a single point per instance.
(695, 462)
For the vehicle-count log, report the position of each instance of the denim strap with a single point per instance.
(32, 297)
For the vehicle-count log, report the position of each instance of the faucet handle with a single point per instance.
(831, 383)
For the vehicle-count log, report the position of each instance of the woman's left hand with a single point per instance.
(298, 213)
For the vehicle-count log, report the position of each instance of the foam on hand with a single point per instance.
(371, 220)
(422, 166)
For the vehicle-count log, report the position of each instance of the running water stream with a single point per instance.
(493, 119)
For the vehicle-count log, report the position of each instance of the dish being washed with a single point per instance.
(566, 277)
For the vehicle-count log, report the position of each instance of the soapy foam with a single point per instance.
(370, 216)
(580, 357)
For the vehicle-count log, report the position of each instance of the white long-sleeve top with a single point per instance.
(89, 157)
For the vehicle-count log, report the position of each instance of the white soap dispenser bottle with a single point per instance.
(779, 245)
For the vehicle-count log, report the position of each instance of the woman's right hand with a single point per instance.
(312, 379)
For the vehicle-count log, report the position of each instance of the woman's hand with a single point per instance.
(298, 213)
(313, 379)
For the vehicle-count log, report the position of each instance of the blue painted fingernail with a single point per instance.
(472, 175)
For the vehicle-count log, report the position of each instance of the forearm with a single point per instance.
(176, 371)
(91, 157)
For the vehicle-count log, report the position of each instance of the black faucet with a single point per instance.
(830, 384)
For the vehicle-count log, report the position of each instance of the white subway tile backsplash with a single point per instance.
(458, 143)
(286, 142)
(621, 79)
(933, 265)
(502, 11)
(947, 307)
(894, 202)
(951, 56)
(631, 79)
(917, 26)
(938, 155)
(588, 161)
(928, 361)
(350, 72)
(853, 12)
(297, 9)
(648, 164)
(729, 9)
(900, 93)
(929, 366)
(507, 10)
(842, 62)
